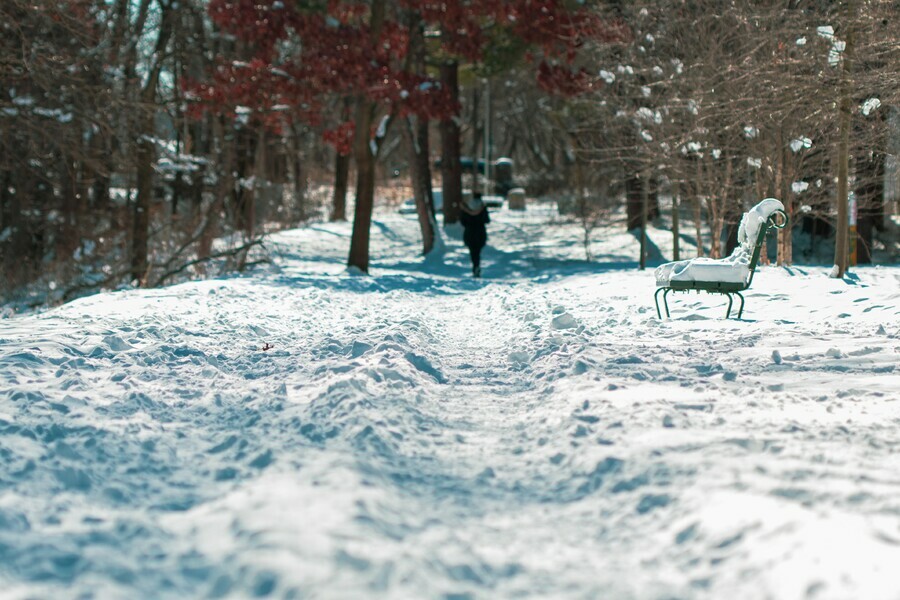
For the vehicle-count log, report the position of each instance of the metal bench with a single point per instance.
(728, 276)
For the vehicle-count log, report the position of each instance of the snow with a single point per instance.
(648, 115)
(734, 269)
(754, 219)
(420, 434)
(799, 186)
(54, 113)
(836, 52)
(382, 127)
(825, 31)
(800, 143)
(869, 105)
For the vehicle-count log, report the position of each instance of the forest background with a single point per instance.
(147, 141)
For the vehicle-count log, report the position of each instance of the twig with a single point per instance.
(225, 253)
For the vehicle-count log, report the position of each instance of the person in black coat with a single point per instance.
(474, 216)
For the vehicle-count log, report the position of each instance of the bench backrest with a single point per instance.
(777, 220)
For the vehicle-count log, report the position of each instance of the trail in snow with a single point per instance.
(539, 433)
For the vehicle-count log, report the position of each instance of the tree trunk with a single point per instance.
(365, 187)
(341, 176)
(225, 162)
(698, 224)
(141, 209)
(421, 178)
(653, 211)
(697, 189)
(841, 246)
(415, 135)
(298, 210)
(67, 229)
(364, 156)
(870, 198)
(451, 169)
(714, 216)
(645, 209)
(733, 214)
(476, 138)
(341, 179)
(870, 169)
(676, 235)
(634, 197)
(718, 209)
(145, 155)
(783, 179)
(584, 210)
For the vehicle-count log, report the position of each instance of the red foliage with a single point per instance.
(301, 56)
(341, 137)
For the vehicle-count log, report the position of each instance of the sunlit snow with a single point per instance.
(799, 186)
(298, 432)
(869, 105)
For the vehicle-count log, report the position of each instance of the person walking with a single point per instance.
(474, 217)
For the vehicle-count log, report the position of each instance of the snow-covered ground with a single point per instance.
(420, 434)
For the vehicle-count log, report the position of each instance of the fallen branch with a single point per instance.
(230, 253)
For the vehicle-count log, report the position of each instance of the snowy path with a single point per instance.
(422, 435)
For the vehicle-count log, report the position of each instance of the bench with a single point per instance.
(726, 276)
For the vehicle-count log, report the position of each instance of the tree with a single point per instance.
(145, 147)
(728, 105)
(491, 37)
(304, 55)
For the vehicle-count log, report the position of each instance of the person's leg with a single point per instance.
(476, 260)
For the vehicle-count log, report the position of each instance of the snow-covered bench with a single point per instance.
(730, 275)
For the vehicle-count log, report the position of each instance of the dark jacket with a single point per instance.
(475, 233)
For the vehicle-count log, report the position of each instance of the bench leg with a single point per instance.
(656, 300)
(666, 302)
(730, 301)
(741, 309)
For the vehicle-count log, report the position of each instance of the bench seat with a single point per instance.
(730, 275)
